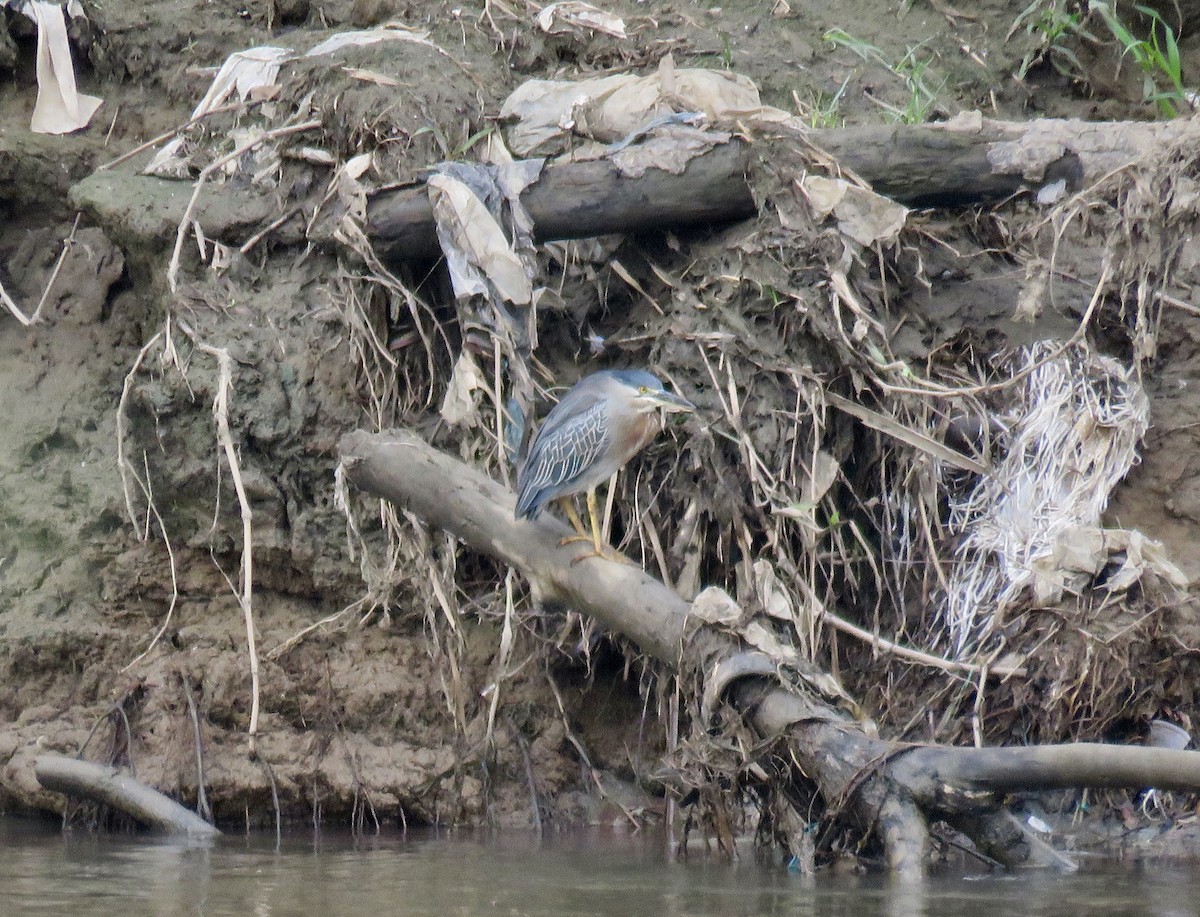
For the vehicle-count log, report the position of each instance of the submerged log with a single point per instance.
(925, 165)
(108, 786)
(894, 789)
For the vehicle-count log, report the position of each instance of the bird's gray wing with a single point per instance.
(562, 451)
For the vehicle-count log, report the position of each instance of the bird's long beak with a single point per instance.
(672, 403)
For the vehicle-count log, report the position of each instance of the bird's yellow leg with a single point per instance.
(594, 516)
(599, 548)
(581, 533)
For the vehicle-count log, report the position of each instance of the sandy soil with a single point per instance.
(358, 722)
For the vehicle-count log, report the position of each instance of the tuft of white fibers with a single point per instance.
(1074, 430)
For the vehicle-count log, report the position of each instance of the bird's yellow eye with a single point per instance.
(642, 390)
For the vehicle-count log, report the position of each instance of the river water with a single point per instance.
(599, 875)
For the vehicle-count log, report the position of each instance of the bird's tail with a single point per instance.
(528, 504)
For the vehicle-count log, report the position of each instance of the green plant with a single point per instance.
(823, 109)
(840, 38)
(910, 68)
(921, 96)
(1055, 24)
(1157, 55)
(463, 148)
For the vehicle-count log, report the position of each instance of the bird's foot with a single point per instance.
(604, 552)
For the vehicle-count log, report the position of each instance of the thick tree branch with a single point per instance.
(885, 784)
(921, 165)
(108, 786)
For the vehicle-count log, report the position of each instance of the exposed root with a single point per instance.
(123, 466)
(152, 509)
(246, 592)
(270, 772)
(202, 805)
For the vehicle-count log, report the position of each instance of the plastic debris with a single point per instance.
(610, 108)
(242, 72)
(863, 215)
(1164, 734)
(475, 247)
(60, 107)
(572, 15)
(253, 73)
(391, 31)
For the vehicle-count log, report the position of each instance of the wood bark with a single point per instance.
(892, 788)
(924, 165)
(108, 786)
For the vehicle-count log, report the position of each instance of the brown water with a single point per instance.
(42, 872)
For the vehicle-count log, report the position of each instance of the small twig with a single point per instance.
(107, 714)
(120, 710)
(969, 849)
(904, 652)
(275, 224)
(62, 256)
(503, 653)
(977, 712)
(186, 222)
(535, 805)
(12, 307)
(162, 527)
(299, 636)
(112, 125)
(1176, 303)
(125, 157)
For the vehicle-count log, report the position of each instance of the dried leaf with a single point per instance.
(761, 638)
(459, 404)
(391, 31)
(571, 15)
(1033, 294)
(371, 76)
(474, 244)
(863, 215)
(893, 428)
(774, 598)
(715, 606)
(243, 72)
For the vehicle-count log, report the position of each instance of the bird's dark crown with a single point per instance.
(636, 378)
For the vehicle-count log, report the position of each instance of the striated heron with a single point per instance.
(599, 425)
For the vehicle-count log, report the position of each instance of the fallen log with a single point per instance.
(894, 789)
(923, 165)
(108, 786)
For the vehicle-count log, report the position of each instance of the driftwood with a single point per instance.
(891, 788)
(919, 165)
(108, 786)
